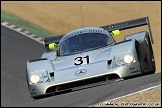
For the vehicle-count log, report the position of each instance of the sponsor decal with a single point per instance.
(132, 68)
(135, 71)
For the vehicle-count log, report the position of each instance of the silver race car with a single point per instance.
(89, 55)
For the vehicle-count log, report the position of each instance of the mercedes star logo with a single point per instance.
(80, 72)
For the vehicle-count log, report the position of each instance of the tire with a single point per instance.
(27, 80)
(41, 96)
(153, 64)
(37, 97)
(152, 59)
(139, 58)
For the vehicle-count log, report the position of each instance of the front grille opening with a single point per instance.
(51, 89)
(83, 82)
(76, 84)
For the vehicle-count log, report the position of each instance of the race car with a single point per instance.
(89, 55)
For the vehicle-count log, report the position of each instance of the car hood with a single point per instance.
(81, 59)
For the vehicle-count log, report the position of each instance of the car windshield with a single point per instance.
(84, 42)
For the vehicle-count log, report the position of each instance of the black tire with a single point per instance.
(37, 97)
(41, 96)
(139, 58)
(27, 80)
(152, 59)
(153, 64)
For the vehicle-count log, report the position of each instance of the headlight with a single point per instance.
(123, 59)
(128, 59)
(34, 78)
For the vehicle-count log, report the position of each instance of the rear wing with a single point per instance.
(130, 24)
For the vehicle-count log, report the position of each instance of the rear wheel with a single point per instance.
(153, 64)
(150, 59)
(139, 57)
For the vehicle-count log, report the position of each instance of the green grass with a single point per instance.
(25, 25)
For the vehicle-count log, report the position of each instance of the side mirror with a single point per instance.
(55, 47)
(115, 32)
(52, 46)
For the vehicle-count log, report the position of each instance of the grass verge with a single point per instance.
(25, 25)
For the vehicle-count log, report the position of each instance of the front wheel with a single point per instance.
(37, 97)
(40, 96)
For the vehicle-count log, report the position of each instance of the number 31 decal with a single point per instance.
(80, 60)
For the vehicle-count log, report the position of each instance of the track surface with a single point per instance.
(17, 49)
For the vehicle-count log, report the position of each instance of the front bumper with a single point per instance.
(122, 71)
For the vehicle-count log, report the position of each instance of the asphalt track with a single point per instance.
(16, 49)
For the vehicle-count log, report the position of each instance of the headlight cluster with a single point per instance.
(123, 59)
(39, 77)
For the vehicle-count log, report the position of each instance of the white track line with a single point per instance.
(128, 94)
